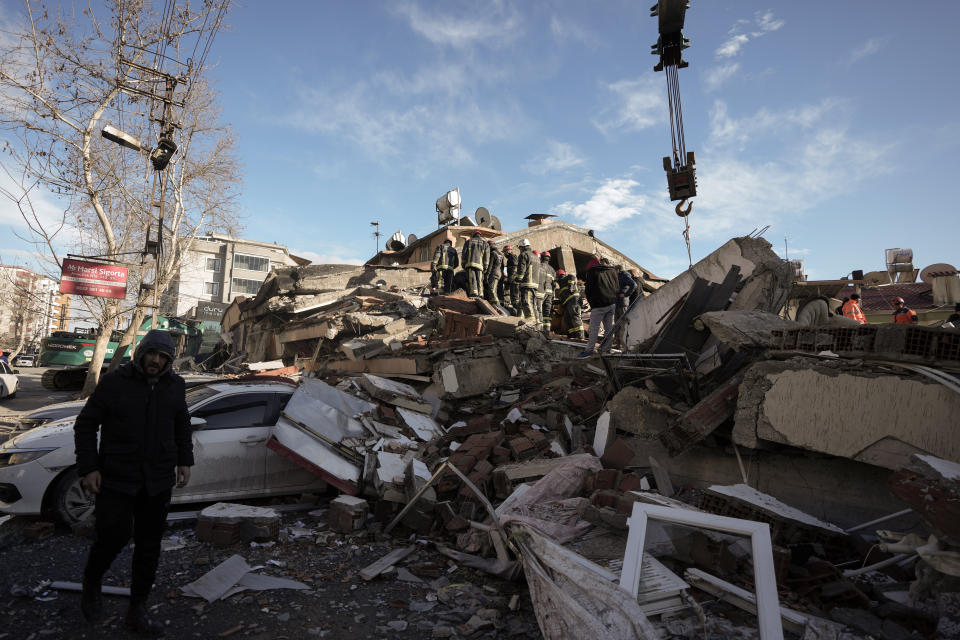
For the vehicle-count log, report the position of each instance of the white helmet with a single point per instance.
(524, 243)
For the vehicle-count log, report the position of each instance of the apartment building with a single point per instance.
(30, 305)
(215, 270)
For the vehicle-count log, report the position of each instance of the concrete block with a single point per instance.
(501, 326)
(347, 514)
(225, 523)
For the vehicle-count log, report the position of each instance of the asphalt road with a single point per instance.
(30, 395)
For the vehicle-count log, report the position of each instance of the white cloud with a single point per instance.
(486, 23)
(611, 203)
(558, 156)
(732, 46)
(638, 104)
(326, 258)
(726, 130)
(868, 48)
(717, 76)
(764, 23)
(565, 31)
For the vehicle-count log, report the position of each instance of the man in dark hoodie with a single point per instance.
(145, 449)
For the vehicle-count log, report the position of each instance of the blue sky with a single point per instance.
(836, 123)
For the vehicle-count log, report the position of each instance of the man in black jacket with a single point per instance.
(145, 448)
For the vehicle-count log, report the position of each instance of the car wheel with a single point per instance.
(72, 503)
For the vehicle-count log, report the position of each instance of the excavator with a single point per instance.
(681, 174)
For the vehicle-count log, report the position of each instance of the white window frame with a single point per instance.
(764, 578)
(217, 264)
(235, 289)
(250, 255)
(212, 288)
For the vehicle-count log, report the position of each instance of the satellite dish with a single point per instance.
(411, 239)
(397, 242)
(482, 216)
(495, 223)
(926, 276)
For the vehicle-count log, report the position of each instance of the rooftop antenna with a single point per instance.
(376, 233)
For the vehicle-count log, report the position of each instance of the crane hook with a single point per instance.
(679, 208)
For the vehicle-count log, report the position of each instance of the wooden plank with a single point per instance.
(660, 474)
(373, 570)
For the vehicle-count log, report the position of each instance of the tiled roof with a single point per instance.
(916, 295)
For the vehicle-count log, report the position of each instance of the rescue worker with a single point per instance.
(493, 274)
(474, 258)
(628, 286)
(548, 279)
(851, 309)
(568, 297)
(528, 281)
(903, 314)
(538, 293)
(444, 261)
(512, 290)
(638, 279)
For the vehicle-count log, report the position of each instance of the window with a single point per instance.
(211, 288)
(214, 264)
(232, 412)
(250, 263)
(249, 287)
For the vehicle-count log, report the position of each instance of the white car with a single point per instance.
(25, 361)
(231, 425)
(8, 380)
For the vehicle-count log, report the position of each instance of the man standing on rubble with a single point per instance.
(493, 273)
(511, 289)
(852, 310)
(568, 297)
(638, 279)
(903, 314)
(602, 286)
(444, 261)
(627, 288)
(145, 447)
(528, 281)
(548, 279)
(474, 257)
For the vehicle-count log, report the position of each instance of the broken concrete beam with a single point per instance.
(395, 393)
(360, 323)
(362, 349)
(408, 365)
(347, 514)
(877, 418)
(641, 412)
(705, 416)
(739, 329)
(787, 524)
(462, 377)
(502, 326)
(931, 486)
(226, 524)
(265, 366)
(647, 317)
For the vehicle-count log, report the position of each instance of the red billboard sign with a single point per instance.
(93, 279)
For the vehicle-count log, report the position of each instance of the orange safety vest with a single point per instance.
(905, 316)
(852, 310)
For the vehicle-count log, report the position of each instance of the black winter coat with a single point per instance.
(144, 431)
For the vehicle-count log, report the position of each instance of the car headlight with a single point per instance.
(13, 457)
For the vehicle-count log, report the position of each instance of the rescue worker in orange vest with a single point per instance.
(903, 314)
(852, 310)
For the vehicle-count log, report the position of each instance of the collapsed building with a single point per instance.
(444, 417)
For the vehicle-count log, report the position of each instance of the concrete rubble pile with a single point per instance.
(443, 417)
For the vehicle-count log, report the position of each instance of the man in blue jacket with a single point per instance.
(145, 449)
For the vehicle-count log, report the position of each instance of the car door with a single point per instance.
(230, 449)
(283, 475)
(8, 380)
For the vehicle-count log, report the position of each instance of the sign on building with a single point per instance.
(93, 279)
(210, 311)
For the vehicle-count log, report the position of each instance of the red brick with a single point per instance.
(500, 455)
(631, 482)
(617, 455)
(605, 498)
(607, 479)
(386, 412)
(521, 448)
(483, 466)
(463, 461)
(625, 504)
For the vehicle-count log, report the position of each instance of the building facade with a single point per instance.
(216, 269)
(31, 307)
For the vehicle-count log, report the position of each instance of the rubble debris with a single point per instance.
(347, 514)
(775, 404)
(931, 486)
(265, 366)
(226, 524)
(234, 575)
(373, 570)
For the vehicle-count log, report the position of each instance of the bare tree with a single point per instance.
(64, 75)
